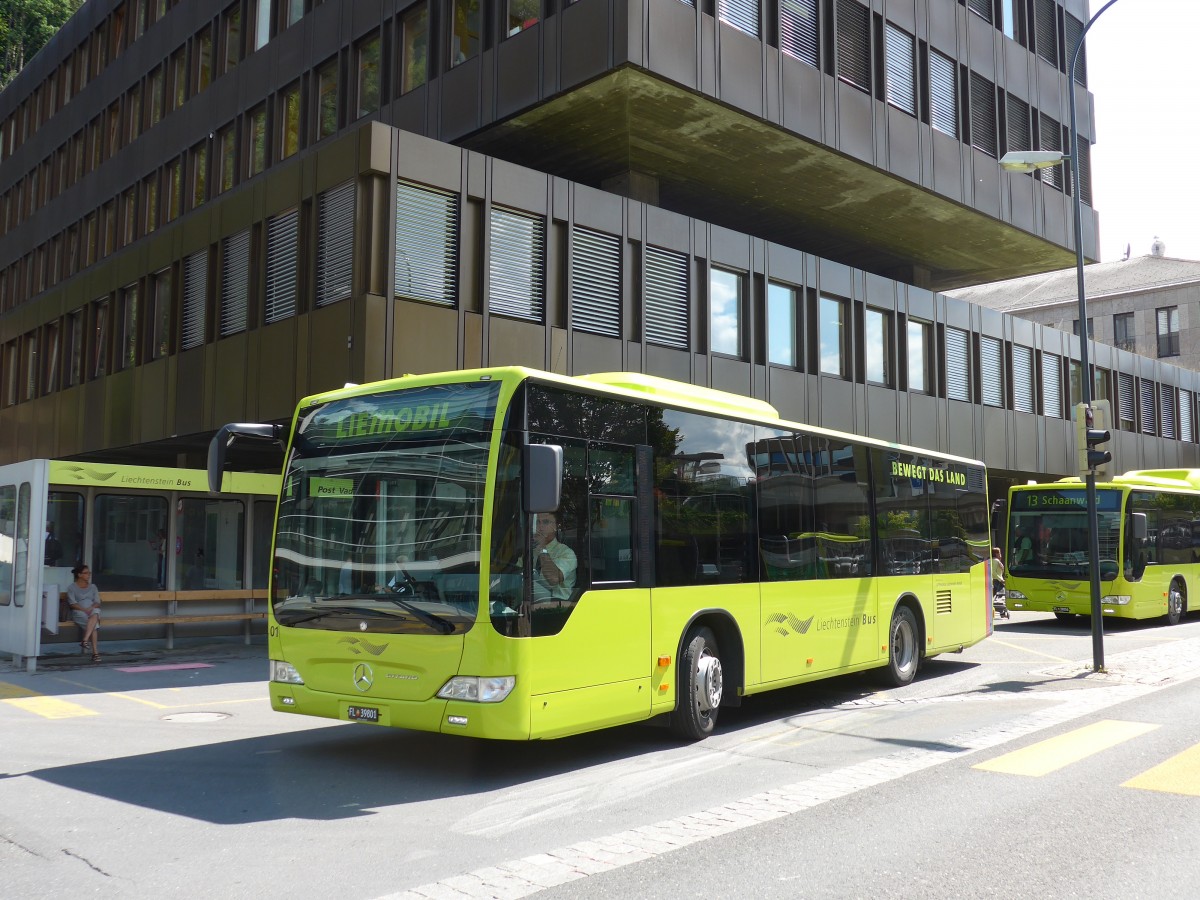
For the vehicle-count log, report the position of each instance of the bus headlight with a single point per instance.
(1015, 595)
(1118, 600)
(285, 672)
(478, 690)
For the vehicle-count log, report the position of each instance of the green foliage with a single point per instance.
(25, 27)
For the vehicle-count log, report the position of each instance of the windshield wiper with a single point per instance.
(445, 626)
(323, 612)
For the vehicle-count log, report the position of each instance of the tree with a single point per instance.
(25, 27)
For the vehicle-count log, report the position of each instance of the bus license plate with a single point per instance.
(362, 713)
(1061, 609)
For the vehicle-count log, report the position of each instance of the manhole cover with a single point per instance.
(196, 717)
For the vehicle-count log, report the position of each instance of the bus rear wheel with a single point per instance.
(904, 651)
(1175, 601)
(701, 686)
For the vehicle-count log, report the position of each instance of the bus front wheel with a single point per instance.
(1175, 603)
(904, 651)
(701, 686)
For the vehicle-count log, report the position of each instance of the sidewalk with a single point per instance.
(65, 657)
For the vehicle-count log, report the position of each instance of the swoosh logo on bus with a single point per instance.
(799, 626)
(356, 643)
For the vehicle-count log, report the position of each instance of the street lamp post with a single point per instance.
(1027, 161)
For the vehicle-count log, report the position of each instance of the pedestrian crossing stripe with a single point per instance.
(1178, 775)
(1057, 752)
(50, 707)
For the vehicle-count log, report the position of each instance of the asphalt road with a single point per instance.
(167, 775)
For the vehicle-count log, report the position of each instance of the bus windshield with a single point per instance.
(1048, 533)
(381, 513)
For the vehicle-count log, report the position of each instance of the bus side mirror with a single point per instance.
(543, 478)
(1139, 526)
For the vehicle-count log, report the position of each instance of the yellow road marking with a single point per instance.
(11, 690)
(1178, 775)
(1055, 753)
(994, 640)
(51, 707)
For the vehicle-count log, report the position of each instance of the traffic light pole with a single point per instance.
(1093, 527)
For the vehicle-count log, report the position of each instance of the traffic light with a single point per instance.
(1091, 430)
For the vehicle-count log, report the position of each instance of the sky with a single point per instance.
(1142, 71)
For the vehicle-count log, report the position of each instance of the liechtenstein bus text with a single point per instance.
(1149, 539)
(510, 554)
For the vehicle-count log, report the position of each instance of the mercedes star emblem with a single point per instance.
(363, 677)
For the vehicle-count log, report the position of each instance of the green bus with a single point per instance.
(1148, 525)
(506, 553)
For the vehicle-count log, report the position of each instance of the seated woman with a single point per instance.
(84, 600)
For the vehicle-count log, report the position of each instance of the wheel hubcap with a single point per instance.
(1175, 602)
(710, 683)
(903, 646)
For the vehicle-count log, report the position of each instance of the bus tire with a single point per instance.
(701, 686)
(1175, 603)
(904, 648)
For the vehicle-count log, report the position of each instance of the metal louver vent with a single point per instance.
(1146, 406)
(983, 115)
(900, 69)
(235, 282)
(1050, 138)
(958, 370)
(282, 234)
(1072, 35)
(943, 94)
(1085, 172)
(854, 44)
(516, 278)
(195, 291)
(426, 241)
(1017, 117)
(666, 303)
(1185, 417)
(945, 602)
(981, 8)
(1022, 375)
(1125, 407)
(991, 372)
(1167, 405)
(798, 35)
(1045, 12)
(596, 283)
(1051, 385)
(741, 14)
(335, 244)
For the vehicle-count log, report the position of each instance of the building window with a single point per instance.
(74, 348)
(293, 11)
(203, 60)
(596, 282)
(129, 216)
(725, 312)
(335, 244)
(877, 336)
(426, 244)
(943, 94)
(991, 371)
(154, 97)
(160, 322)
(1050, 138)
(50, 356)
(1147, 417)
(958, 365)
(983, 115)
(831, 331)
(781, 324)
(133, 113)
(174, 187)
(282, 233)
(198, 173)
(226, 158)
(1167, 320)
(1167, 403)
(327, 99)
(1126, 414)
(516, 265)
(231, 37)
(367, 87)
(31, 367)
(798, 34)
(127, 315)
(1045, 32)
(900, 65)
(99, 367)
(177, 74)
(256, 127)
(1075, 327)
(666, 298)
(1022, 379)
(1123, 332)
(235, 282)
(1185, 417)
(195, 300)
(854, 44)
(414, 48)
(289, 122)
(464, 30)
(522, 14)
(1051, 386)
(741, 14)
(262, 22)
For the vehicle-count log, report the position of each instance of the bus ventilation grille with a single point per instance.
(944, 604)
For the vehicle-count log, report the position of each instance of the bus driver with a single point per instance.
(554, 563)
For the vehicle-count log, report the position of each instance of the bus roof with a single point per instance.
(631, 385)
(1162, 479)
